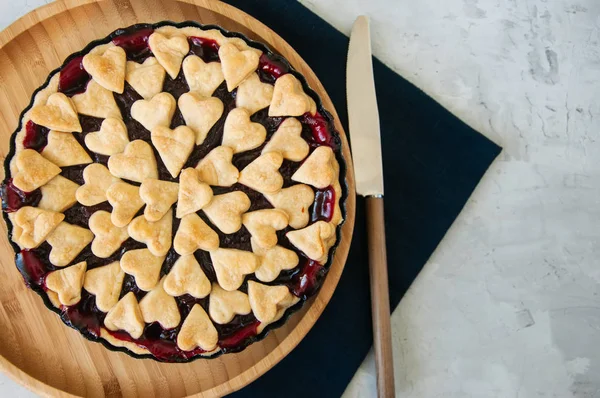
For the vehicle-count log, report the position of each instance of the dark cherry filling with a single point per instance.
(73, 77)
(176, 87)
(303, 280)
(235, 340)
(89, 124)
(207, 49)
(270, 68)
(84, 316)
(13, 198)
(324, 205)
(36, 136)
(161, 348)
(320, 129)
(306, 282)
(32, 268)
(135, 42)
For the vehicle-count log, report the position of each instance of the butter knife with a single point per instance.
(366, 152)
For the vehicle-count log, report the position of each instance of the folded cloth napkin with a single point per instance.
(432, 162)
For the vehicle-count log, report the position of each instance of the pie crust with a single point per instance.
(175, 191)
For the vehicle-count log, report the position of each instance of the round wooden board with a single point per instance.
(36, 348)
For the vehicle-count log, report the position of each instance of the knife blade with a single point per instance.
(363, 113)
(368, 168)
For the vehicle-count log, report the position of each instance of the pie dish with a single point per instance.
(174, 191)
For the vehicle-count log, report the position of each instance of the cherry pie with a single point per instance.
(175, 191)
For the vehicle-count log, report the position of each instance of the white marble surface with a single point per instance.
(508, 305)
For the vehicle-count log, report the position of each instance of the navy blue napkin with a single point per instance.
(432, 163)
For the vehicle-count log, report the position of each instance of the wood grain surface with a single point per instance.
(36, 348)
(380, 297)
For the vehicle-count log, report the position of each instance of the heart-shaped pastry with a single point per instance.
(200, 114)
(57, 114)
(108, 237)
(64, 150)
(67, 242)
(216, 167)
(156, 235)
(34, 225)
(110, 140)
(53, 298)
(197, 331)
(240, 134)
(314, 240)
(262, 174)
(126, 315)
(295, 201)
(225, 211)
(193, 234)
(253, 94)
(320, 169)
(67, 283)
(264, 224)
(173, 146)
(144, 266)
(58, 194)
(169, 51)
(97, 101)
(193, 193)
(125, 200)
(268, 301)
(232, 265)
(272, 261)
(288, 141)
(192, 31)
(289, 98)
(158, 306)
(155, 112)
(146, 78)
(97, 181)
(202, 78)
(241, 45)
(105, 283)
(136, 163)
(187, 277)
(159, 196)
(33, 170)
(224, 305)
(237, 65)
(108, 68)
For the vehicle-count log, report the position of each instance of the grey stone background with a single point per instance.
(508, 304)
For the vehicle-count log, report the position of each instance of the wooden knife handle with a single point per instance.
(380, 298)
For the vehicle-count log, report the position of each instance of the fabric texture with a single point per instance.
(432, 163)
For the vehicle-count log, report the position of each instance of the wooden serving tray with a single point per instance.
(36, 348)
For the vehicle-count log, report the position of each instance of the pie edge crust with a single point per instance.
(50, 86)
